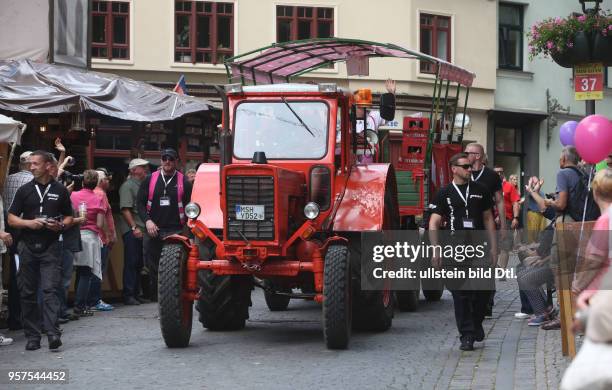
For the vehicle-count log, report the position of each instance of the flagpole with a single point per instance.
(174, 107)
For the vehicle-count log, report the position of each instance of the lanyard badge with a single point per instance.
(467, 222)
(41, 196)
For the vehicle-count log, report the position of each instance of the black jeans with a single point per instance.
(14, 301)
(470, 309)
(132, 264)
(39, 270)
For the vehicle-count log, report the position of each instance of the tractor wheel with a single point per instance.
(374, 310)
(224, 300)
(277, 302)
(407, 300)
(175, 312)
(337, 310)
(433, 295)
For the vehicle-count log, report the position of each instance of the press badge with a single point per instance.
(468, 224)
(164, 201)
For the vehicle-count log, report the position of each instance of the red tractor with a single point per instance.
(283, 210)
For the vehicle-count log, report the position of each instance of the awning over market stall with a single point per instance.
(10, 130)
(37, 88)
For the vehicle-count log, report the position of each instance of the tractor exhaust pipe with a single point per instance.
(225, 138)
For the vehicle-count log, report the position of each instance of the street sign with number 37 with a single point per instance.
(588, 81)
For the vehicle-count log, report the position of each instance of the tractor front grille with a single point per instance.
(250, 190)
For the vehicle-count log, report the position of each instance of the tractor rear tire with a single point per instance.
(337, 310)
(224, 300)
(175, 313)
(407, 300)
(277, 302)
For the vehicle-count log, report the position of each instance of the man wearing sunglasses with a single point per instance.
(491, 180)
(161, 199)
(467, 206)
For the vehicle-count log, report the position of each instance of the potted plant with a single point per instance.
(573, 40)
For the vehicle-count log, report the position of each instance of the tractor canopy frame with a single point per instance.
(283, 62)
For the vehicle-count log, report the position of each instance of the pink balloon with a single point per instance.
(594, 138)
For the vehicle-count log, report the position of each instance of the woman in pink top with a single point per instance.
(596, 260)
(88, 261)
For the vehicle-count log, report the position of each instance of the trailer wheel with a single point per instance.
(337, 313)
(175, 312)
(407, 300)
(224, 300)
(374, 310)
(274, 301)
(433, 295)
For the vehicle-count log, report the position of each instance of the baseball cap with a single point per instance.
(106, 172)
(137, 162)
(169, 152)
(23, 157)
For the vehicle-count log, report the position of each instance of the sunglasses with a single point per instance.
(464, 166)
(168, 158)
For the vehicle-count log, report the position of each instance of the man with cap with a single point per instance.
(11, 185)
(161, 201)
(132, 229)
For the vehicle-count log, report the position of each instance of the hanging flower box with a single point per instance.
(573, 40)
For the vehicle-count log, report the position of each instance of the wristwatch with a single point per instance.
(134, 227)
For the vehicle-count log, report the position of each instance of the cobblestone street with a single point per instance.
(285, 350)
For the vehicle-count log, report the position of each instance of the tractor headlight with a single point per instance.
(192, 210)
(311, 210)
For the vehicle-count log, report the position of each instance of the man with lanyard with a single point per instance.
(493, 183)
(161, 200)
(467, 207)
(41, 210)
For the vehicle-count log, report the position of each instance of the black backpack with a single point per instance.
(578, 196)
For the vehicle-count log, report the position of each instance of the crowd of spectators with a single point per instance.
(59, 227)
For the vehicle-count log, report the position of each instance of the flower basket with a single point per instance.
(602, 49)
(580, 52)
(573, 40)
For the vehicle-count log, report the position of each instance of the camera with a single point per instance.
(69, 177)
(550, 196)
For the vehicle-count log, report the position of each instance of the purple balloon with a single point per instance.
(567, 133)
(594, 138)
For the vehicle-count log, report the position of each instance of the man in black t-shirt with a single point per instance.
(41, 210)
(493, 183)
(466, 205)
(160, 202)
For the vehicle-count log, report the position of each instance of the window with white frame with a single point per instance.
(203, 31)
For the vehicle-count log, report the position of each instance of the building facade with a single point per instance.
(533, 98)
(160, 40)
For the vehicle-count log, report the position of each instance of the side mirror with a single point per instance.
(387, 106)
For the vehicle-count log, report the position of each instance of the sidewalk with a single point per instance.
(515, 355)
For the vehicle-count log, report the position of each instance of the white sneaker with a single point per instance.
(521, 315)
(5, 340)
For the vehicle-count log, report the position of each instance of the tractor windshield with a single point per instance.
(282, 129)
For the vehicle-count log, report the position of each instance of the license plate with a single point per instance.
(249, 212)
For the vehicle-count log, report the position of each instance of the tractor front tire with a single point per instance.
(224, 300)
(175, 313)
(337, 310)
